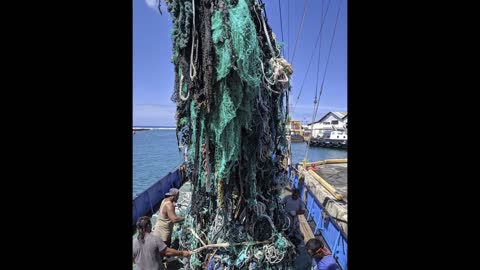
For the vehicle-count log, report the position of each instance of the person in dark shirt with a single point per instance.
(294, 207)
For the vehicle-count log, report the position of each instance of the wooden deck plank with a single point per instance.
(305, 228)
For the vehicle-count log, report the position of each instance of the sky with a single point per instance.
(153, 71)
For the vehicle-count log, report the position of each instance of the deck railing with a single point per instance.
(325, 224)
(147, 202)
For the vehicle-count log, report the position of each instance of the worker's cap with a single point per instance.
(172, 192)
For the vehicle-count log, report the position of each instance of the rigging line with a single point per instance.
(281, 28)
(288, 29)
(328, 57)
(315, 109)
(318, 72)
(329, 53)
(313, 117)
(315, 104)
(330, 50)
(313, 53)
(312, 57)
(283, 53)
(299, 31)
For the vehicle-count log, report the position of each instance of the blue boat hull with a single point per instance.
(148, 202)
(325, 225)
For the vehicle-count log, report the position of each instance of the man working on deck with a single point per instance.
(148, 249)
(167, 217)
(322, 258)
(293, 206)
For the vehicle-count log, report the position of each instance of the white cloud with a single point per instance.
(152, 3)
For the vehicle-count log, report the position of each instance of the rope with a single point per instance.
(281, 27)
(299, 30)
(180, 90)
(259, 208)
(192, 65)
(227, 74)
(313, 53)
(331, 45)
(230, 244)
(266, 32)
(288, 28)
(315, 106)
(269, 220)
(272, 254)
(328, 57)
(196, 235)
(266, 79)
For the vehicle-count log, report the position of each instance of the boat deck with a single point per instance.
(335, 175)
(302, 261)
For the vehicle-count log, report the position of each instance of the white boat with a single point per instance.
(331, 138)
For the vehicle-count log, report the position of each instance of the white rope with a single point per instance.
(180, 90)
(196, 235)
(192, 64)
(266, 32)
(272, 254)
(280, 68)
(228, 244)
(259, 255)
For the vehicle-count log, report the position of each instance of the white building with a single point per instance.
(331, 121)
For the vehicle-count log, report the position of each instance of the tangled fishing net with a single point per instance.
(230, 84)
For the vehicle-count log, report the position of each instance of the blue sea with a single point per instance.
(155, 153)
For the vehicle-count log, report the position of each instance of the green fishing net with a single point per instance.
(230, 116)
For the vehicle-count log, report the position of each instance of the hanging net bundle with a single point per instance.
(230, 83)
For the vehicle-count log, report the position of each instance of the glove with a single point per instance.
(293, 213)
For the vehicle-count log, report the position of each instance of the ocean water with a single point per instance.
(155, 154)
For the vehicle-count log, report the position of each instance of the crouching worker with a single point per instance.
(294, 206)
(322, 258)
